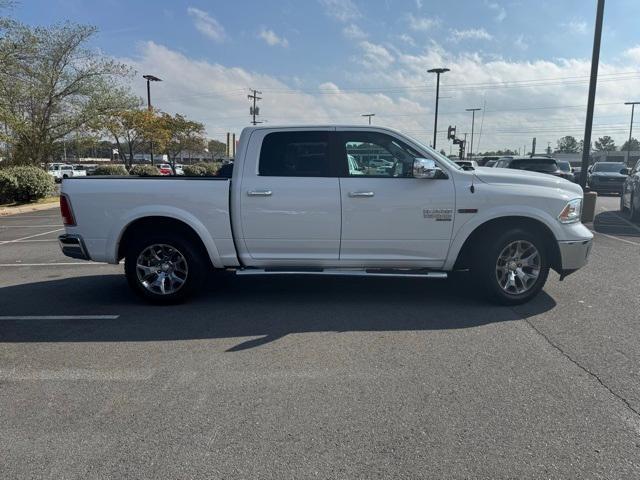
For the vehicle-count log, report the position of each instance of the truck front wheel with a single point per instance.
(515, 267)
(164, 268)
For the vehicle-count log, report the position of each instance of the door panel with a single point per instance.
(289, 202)
(389, 217)
(399, 222)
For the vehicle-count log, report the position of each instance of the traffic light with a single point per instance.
(451, 133)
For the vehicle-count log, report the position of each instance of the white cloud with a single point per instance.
(353, 32)
(422, 24)
(419, 4)
(342, 10)
(633, 54)
(207, 25)
(524, 99)
(375, 56)
(499, 10)
(578, 27)
(521, 43)
(469, 34)
(408, 39)
(270, 37)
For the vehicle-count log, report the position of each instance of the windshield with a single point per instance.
(608, 167)
(564, 166)
(535, 164)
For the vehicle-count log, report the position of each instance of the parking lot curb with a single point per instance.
(7, 211)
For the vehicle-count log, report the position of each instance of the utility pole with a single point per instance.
(633, 106)
(368, 115)
(437, 71)
(254, 110)
(595, 59)
(149, 79)
(473, 121)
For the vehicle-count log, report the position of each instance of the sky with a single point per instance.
(526, 63)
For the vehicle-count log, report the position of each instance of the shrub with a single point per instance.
(33, 183)
(144, 171)
(8, 187)
(201, 170)
(110, 170)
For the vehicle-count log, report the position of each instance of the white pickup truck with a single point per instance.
(61, 171)
(316, 201)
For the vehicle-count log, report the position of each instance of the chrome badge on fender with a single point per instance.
(439, 214)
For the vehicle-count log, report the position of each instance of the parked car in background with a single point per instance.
(546, 165)
(483, 161)
(630, 198)
(179, 169)
(607, 177)
(165, 169)
(490, 163)
(60, 171)
(577, 171)
(566, 169)
(467, 164)
(296, 206)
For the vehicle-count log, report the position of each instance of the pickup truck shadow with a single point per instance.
(615, 223)
(255, 311)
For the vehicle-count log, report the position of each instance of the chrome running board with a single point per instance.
(351, 272)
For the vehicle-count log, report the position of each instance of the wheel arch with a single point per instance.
(512, 221)
(152, 223)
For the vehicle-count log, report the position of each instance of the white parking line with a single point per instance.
(53, 264)
(28, 226)
(31, 236)
(615, 238)
(32, 241)
(59, 317)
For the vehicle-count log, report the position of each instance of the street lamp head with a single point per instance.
(368, 115)
(151, 78)
(472, 109)
(632, 103)
(438, 70)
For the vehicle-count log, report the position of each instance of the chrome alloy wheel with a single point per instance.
(161, 269)
(518, 267)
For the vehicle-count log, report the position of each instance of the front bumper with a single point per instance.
(574, 254)
(73, 246)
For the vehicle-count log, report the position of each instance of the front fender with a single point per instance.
(493, 213)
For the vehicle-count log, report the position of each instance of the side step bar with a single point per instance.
(351, 272)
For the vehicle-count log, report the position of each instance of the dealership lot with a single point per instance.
(315, 377)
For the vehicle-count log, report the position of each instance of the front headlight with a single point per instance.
(571, 212)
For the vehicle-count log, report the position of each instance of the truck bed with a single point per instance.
(104, 206)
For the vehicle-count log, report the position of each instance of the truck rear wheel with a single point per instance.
(164, 268)
(513, 268)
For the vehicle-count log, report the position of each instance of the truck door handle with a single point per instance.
(259, 193)
(361, 194)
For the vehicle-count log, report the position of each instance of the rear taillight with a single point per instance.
(65, 210)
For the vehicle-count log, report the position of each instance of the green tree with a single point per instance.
(51, 85)
(183, 136)
(605, 144)
(217, 148)
(635, 145)
(568, 144)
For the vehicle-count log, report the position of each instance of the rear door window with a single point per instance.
(295, 154)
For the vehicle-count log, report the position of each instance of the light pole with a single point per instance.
(437, 71)
(591, 100)
(633, 106)
(149, 79)
(473, 121)
(368, 115)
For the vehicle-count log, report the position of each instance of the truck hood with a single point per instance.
(508, 176)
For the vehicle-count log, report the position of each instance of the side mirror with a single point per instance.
(424, 168)
(625, 171)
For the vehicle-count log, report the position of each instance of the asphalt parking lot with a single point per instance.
(313, 377)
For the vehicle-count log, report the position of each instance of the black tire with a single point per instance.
(623, 209)
(484, 265)
(196, 267)
(634, 213)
